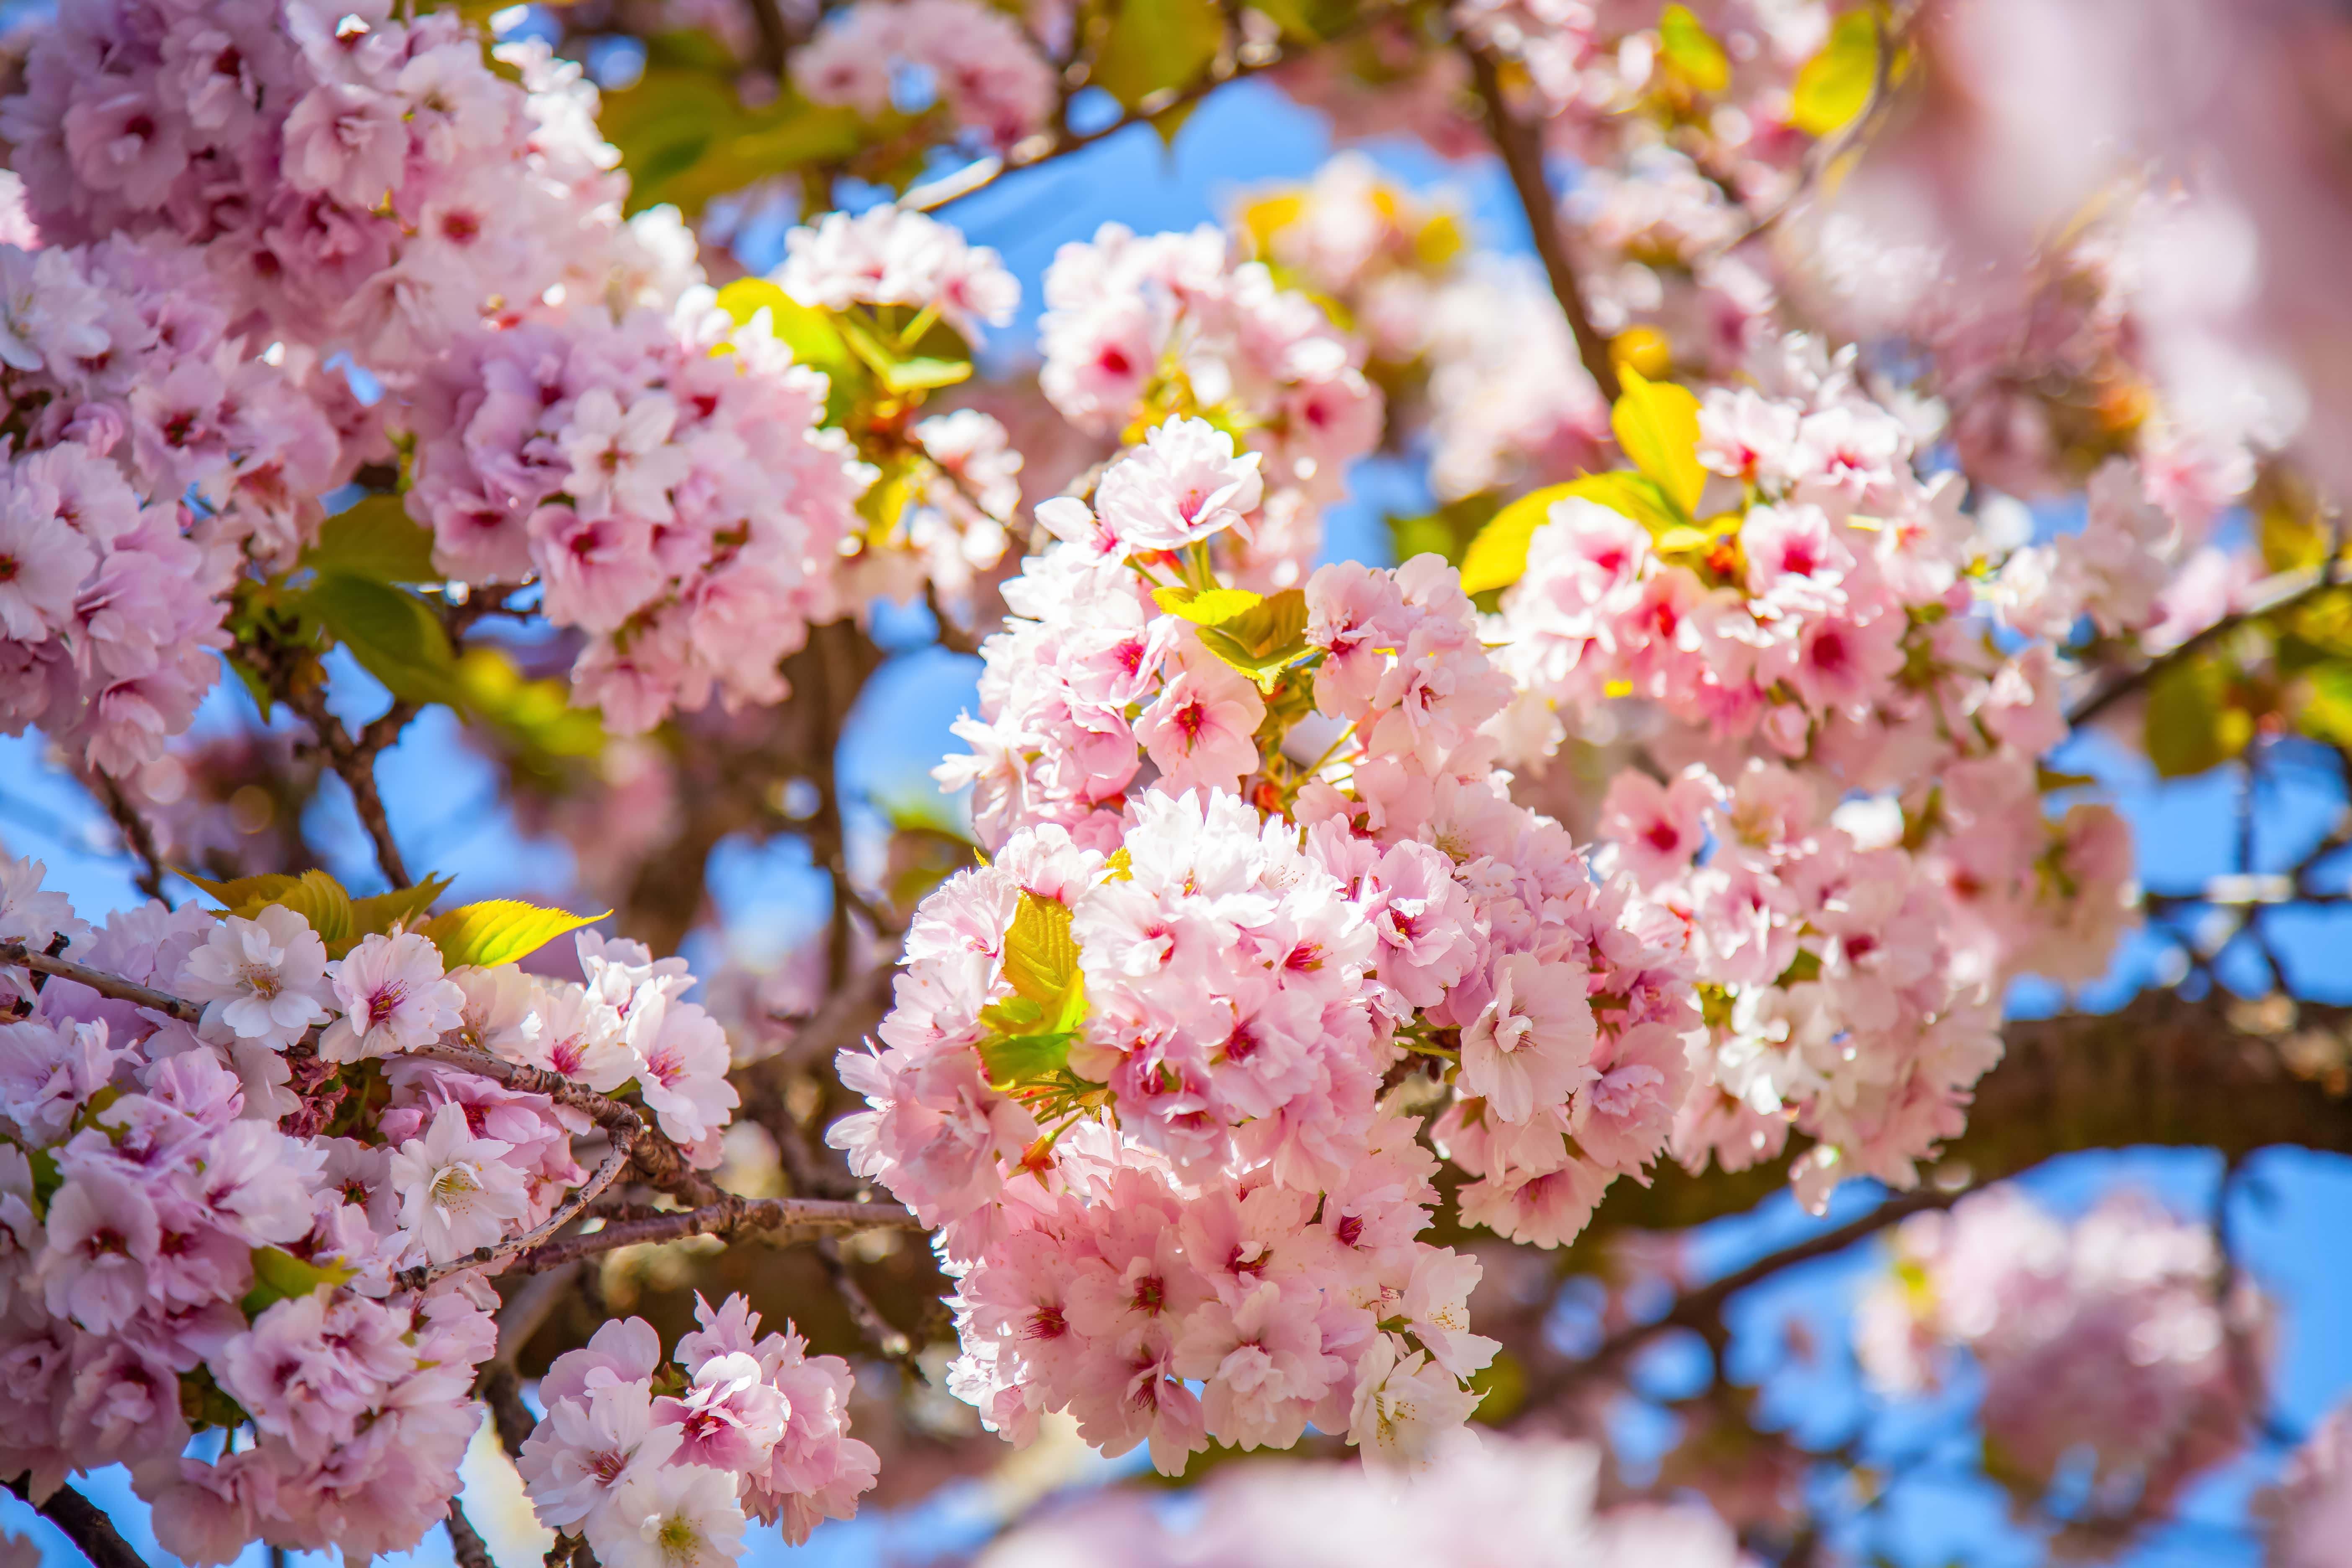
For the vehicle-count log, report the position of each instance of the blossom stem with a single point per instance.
(84, 1525)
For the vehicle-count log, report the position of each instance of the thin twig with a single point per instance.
(1699, 1307)
(1046, 146)
(138, 833)
(465, 1542)
(879, 1331)
(729, 1217)
(84, 1524)
(17, 955)
(1520, 142)
(616, 1161)
(2284, 591)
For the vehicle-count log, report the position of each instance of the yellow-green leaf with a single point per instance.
(384, 911)
(1836, 83)
(320, 899)
(244, 894)
(809, 332)
(1263, 638)
(1204, 607)
(500, 930)
(279, 1276)
(1657, 423)
(1499, 556)
(373, 538)
(2191, 725)
(1156, 46)
(1041, 957)
(1692, 52)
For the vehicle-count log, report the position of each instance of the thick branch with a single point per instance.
(1520, 142)
(730, 1216)
(2162, 1070)
(84, 1524)
(465, 1543)
(17, 955)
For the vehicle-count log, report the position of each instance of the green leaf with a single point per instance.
(1263, 637)
(2191, 726)
(1011, 1061)
(686, 137)
(1836, 83)
(1158, 45)
(374, 538)
(1204, 607)
(384, 911)
(395, 637)
(279, 1276)
(1692, 52)
(537, 715)
(500, 930)
(900, 374)
(1657, 423)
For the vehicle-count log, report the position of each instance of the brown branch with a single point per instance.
(17, 955)
(84, 1524)
(616, 1161)
(1701, 1307)
(1520, 142)
(1046, 146)
(138, 834)
(730, 1216)
(894, 1344)
(2284, 591)
(465, 1542)
(775, 40)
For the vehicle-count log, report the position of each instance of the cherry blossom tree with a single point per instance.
(1310, 1025)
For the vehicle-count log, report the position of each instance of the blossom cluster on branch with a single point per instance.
(257, 1163)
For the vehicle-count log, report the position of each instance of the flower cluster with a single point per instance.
(359, 182)
(977, 61)
(2310, 1508)
(150, 444)
(261, 1214)
(1140, 327)
(1507, 1503)
(895, 281)
(1151, 1037)
(1840, 997)
(667, 480)
(659, 1465)
(1830, 613)
(2117, 1335)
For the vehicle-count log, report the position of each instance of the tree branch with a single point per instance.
(465, 1542)
(138, 834)
(1046, 146)
(84, 1524)
(17, 955)
(1520, 142)
(730, 1216)
(2284, 591)
(616, 1161)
